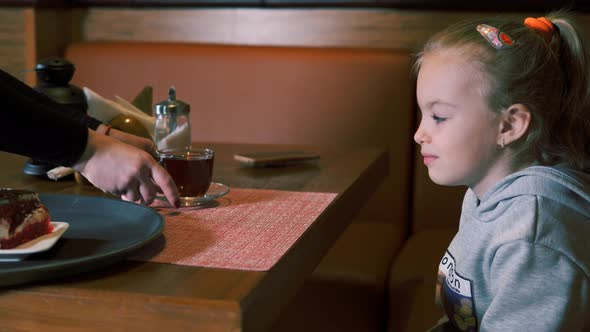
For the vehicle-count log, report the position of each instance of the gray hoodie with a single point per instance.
(521, 258)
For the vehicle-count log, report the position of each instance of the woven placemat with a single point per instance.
(248, 229)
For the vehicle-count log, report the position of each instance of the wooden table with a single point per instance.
(131, 295)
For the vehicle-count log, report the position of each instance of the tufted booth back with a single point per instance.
(281, 95)
(286, 95)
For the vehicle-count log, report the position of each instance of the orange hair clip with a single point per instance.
(542, 26)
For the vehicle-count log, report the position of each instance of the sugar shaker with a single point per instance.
(172, 128)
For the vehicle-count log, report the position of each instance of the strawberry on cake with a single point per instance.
(22, 217)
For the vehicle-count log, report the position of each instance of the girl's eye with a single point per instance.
(438, 119)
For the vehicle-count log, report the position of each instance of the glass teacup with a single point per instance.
(191, 168)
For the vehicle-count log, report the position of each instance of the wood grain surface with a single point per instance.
(43, 32)
(12, 41)
(133, 296)
(51, 29)
(372, 28)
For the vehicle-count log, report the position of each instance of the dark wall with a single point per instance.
(454, 5)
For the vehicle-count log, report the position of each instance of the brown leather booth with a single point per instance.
(380, 275)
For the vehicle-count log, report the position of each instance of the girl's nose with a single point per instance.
(420, 136)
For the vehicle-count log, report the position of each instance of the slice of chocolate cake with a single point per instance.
(22, 217)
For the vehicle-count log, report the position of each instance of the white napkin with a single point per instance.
(59, 172)
(106, 110)
(179, 138)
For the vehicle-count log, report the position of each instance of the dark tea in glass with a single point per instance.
(190, 168)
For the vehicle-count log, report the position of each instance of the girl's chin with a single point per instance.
(443, 179)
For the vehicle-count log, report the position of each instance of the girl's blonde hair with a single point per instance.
(551, 79)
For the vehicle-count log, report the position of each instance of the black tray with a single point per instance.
(102, 231)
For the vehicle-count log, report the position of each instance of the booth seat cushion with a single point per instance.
(347, 291)
(412, 281)
(322, 306)
(362, 254)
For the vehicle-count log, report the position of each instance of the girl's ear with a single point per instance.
(514, 124)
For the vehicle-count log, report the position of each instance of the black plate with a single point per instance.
(102, 231)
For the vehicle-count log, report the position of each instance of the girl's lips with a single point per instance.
(429, 159)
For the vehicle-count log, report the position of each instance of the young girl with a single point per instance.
(505, 112)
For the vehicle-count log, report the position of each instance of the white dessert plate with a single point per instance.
(39, 244)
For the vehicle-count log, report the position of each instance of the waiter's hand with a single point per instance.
(125, 171)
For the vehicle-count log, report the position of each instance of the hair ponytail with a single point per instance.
(572, 128)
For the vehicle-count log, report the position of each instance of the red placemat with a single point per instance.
(249, 229)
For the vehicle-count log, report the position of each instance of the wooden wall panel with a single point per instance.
(48, 32)
(54, 28)
(380, 28)
(12, 41)
(28, 34)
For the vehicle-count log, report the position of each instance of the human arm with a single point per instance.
(29, 101)
(124, 170)
(11, 87)
(536, 288)
(37, 128)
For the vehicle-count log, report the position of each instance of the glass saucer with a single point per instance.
(215, 191)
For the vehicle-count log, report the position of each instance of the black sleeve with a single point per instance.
(20, 87)
(34, 125)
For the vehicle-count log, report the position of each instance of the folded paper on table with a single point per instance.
(121, 101)
(106, 110)
(250, 229)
